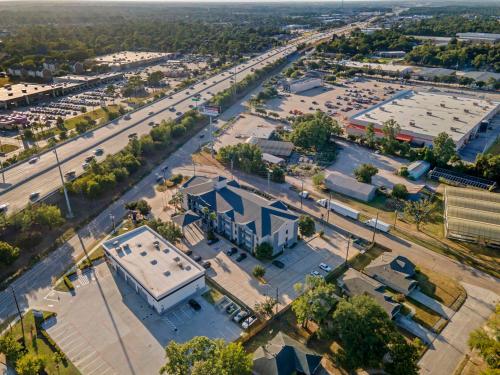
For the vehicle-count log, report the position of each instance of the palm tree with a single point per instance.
(177, 200)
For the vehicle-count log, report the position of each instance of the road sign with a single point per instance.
(195, 99)
(210, 110)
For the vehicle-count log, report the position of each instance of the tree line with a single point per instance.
(451, 25)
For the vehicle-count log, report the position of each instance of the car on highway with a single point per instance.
(241, 257)
(89, 158)
(151, 113)
(202, 136)
(132, 135)
(85, 166)
(171, 109)
(98, 151)
(194, 304)
(325, 267)
(33, 160)
(34, 196)
(178, 114)
(126, 117)
(4, 207)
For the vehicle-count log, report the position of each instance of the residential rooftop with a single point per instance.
(156, 264)
(429, 114)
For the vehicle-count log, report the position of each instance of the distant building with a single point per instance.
(241, 216)
(286, 356)
(128, 59)
(276, 148)
(349, 186)
(418, 168)
(371, 30)
(479, 37)
(155, 269)
(429, 74)
(390, 54)
(302, 84)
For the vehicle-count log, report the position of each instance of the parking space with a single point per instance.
(105, 321)
(236, 277)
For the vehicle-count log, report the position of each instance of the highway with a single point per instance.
(42, 176)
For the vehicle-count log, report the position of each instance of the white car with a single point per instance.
(325, 267)
(33, 160)
(304, 194)
(315, 274)
(34, 195)
(248, 321)
(4, 207)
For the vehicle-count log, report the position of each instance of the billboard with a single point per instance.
(210, 110)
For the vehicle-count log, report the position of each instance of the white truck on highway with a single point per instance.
(380, 225)
(339, 208)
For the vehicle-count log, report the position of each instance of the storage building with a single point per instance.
(349, 186)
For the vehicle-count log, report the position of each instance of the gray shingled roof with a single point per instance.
(355, 283)
(263, 217)
(396, 270)
(285, 356)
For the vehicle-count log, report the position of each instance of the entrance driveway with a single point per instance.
(237, 279)
(431, 303)
(106, 328)
(415, 329)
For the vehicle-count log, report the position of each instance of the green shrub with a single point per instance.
(68, 283)
(399, 191)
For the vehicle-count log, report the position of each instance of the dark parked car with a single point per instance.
(195, 305)
(241, 257)
(188, 252)
(196, 258)
(207, 265)
(278, 264)
(212, 241)
(232, 251)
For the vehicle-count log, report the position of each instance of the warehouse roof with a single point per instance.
(276, 148)
(472, 213)
(429, 114)
(157, 265)
(19, 90)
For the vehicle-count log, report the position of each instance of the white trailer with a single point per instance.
(380, 225)
(339, 208)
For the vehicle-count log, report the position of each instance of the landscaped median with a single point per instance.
(40, 353)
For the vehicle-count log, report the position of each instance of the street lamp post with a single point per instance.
(347, 251)
(375, 228)
(111, 216)
(20, 315)
(66, 197)
(302, 193)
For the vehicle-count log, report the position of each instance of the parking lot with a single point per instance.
(299, 261)
(106, 328)
(340, 100)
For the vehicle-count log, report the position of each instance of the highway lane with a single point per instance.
(43, 176)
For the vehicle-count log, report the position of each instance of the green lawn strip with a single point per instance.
(423, 315)
(6, 148)
(360, 261)
(442, 288)
(495, 148)
(39, 342)
(99, 115)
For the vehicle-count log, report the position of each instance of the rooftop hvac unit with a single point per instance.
(466, 110)
(395, 102)
(453, 129)
(456, 118)
(167, 273)
(177, 259)
(412, 123)
(154, 262)
(181, 265)
(143, 253)
(475, 103)
(188, 268)
(429, 113)
(442, 105)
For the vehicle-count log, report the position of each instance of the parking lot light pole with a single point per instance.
(111, 216)
(301, 193)
(66, 197)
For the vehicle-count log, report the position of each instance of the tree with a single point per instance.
(365, 172)
(316, 299)
(443, 148)
(266, 307)
(8, 253)
(177, 200)
(259, 271)
(244, 156)
(419, 211)
(307, 226)
(488, 166)
(370, 136)
(403, 356)
(48, 216)
(318, 179)
(391, 129)
(313, 131)
(486, 341)
(277, 174)
(399, 191)
(170, 231)
(30, 364)
(203, 356)
(141, 205)
(365, 330)
(12, 348)
(264, 251)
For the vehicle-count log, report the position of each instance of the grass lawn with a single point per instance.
(495, 148)
(6, 148)
(212, 296)
(439, 287)
(360, 261)
(99, 115)
(423, 315)
(37, 344)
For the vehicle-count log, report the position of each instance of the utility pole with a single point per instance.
(66, 197)
(211, 137)
(277, 301)
(395, 217)
(347, 252)
(194, 167)
(328, 208)
(375, 228)
(111, 216)
(20, 315)
(301, 193)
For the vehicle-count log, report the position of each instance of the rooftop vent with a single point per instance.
(181, 265)
(177, 259)
(156, 243)
(466, 110)
(187, 268)
(167, 273)
(143, 253)
(456, 118)
(138, 244)
(442, 105)
(166, 250)
(154, 262)
(429, 113)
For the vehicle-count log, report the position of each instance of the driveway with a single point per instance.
(106, 328)
(431, 303)
(237, 279)
(415, 329)
(451, 345)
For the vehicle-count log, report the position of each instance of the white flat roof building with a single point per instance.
(479, 37)
(157, 270)
(303, 84)
(422, 116)
(28, 93)
(129, 59)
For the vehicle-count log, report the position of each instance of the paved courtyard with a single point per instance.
(106, 328)
(299, 261)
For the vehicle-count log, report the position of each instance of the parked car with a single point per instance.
(4, 207)
(194, 305)
(188, 252)
(151, 113)
(178, 113)
(98, 151)
(85, 166)
(232, 251)
(248, 321)
(231, 308)
(89, 158)
(33, 160)
(70, 175)
(241, 257)
(240, 316)
(278, 264)
(212, 241)
(304, 194)
(325, 267)
(206, 265)
(315, 273)
(35, 195)
(196, 258)
(132, 135)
